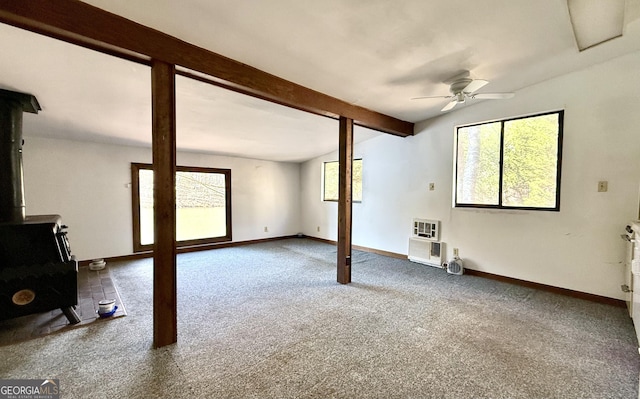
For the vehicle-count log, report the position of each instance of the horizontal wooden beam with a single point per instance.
(88, 26)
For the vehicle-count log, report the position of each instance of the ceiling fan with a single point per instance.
(465, 88)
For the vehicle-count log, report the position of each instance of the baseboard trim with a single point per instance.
(324, 240)
(497, 277)
(195, 248)
(471, 272)
(360, 248)
(549, 288)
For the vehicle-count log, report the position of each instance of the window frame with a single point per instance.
(135, 202)
(502, 122)
(323, 188)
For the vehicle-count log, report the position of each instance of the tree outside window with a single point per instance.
(513, 163)
(331, 177)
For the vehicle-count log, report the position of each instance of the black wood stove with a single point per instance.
(37, 271)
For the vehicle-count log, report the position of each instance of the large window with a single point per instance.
(203, 206)
(512, 163)
(331, 177)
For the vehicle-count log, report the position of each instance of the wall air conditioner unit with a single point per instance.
(428, 229)
(426, 252)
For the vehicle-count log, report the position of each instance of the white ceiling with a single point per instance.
(374, 53)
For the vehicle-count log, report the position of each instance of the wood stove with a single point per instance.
(37, 271)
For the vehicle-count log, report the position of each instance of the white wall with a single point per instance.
(88, 185)
(577, 248)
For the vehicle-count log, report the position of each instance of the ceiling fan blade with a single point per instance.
(451, 104)
(420, 98)
(476, 84)
(493, 96)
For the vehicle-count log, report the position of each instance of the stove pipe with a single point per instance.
(12, 105)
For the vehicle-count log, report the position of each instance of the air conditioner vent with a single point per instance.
(428, 229)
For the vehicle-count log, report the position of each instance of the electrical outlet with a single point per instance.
(455, 252)
(318, 228)
(603, 186)
(266, 230)
(432, 186)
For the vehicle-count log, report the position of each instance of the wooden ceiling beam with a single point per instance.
(88, 26)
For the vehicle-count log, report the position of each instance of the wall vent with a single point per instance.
(426, 252)
(427, 229)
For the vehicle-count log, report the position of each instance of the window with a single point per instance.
(510, 164)
(331, 177)
(203, 206)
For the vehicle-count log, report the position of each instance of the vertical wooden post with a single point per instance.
(345, 174)
(165, 326)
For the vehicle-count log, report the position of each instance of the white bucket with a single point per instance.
(97, 264)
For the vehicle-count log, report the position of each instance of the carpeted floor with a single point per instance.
(269, 321)
(93, 286)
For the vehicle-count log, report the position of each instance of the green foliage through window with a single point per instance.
(512, 163)
(331, 177)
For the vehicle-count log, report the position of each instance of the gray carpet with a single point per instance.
(269, 321)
